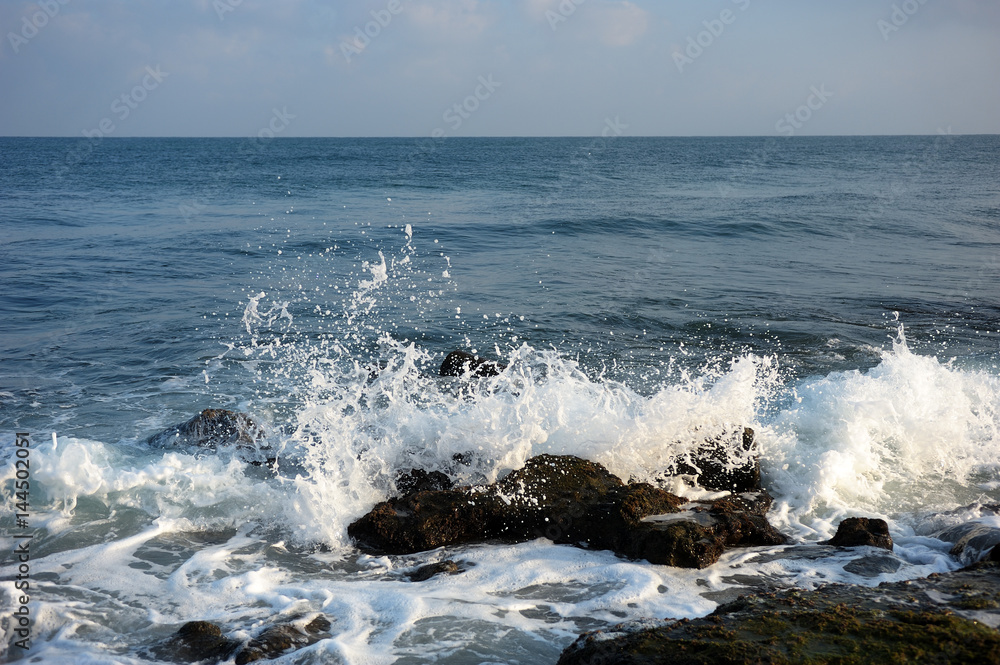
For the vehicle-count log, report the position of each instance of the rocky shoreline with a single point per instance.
(952, 617)
(944, 618)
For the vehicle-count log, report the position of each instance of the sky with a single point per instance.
(498, 67)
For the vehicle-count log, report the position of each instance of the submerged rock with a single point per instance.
(194, 642)
(860, 531)
(203, 642)
(873, 566)
(447, 567)
(460, 363)
(277, 640)
(573, 501)
(949, 618)
(212, 427)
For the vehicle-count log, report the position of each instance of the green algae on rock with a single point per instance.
(945, 618)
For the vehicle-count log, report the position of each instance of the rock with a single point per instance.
(573, 501)
(859, 531)
(948, 618)
(460, 363)
(196, 641)
(873, 566)
(696, 537)
(426, 572)
(418, 480)
(711, 462)
(278, 639)
(212, 427)
(972, 541)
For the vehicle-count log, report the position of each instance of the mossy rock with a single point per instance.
(898, 622)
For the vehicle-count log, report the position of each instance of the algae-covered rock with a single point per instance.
(196, 641)
(942, 619)
(430, 570)
(203, 642)
(281, 638)
(862, 531)
(573, 501)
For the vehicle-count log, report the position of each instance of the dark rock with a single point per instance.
(873, 566)
(942, 619)
(994, 554)
(418, 480)
(426, 572)
(196, 641)
(711, 463)
(972, 541)
(212, 427)
(460, 363)
(573, 501)
(696, 537)
(860, 531)
(278, 639)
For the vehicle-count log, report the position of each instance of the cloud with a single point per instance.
(621, 23)
(614, 23)
(451, 20)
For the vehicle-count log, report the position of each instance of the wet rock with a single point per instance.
(212, 427)
(860, 531)
(196, 641)
(696, 537)
(573, 501)
(948, 618)
(972, 541)
(447, 567)
(418, 480)
(460, 363)
(873, 566)
(711, 464)
(279, 639)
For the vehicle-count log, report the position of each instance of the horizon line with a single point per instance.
(497, 136)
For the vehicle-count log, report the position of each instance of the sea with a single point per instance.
(839, 295)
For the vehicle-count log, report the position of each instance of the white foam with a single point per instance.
(906, 437)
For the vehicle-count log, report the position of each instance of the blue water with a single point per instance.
(840, 294)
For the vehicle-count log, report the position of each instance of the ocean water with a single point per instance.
(839, 295)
